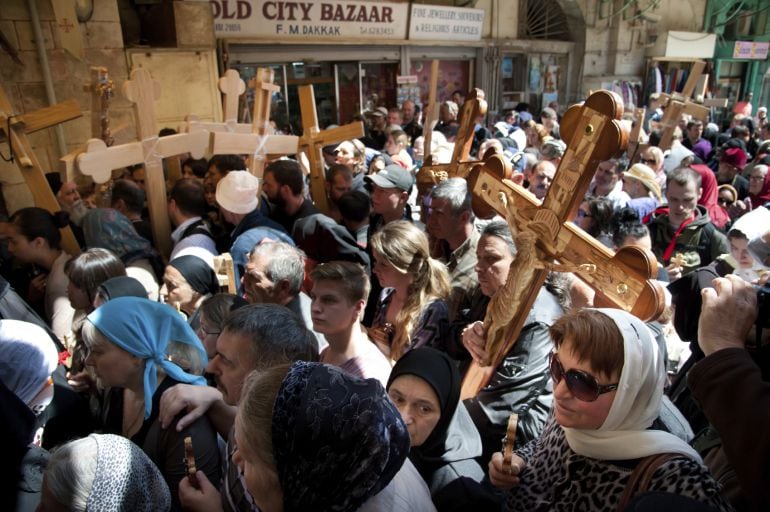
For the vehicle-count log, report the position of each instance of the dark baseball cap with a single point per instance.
(392, 176)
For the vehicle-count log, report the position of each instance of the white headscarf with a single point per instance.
(27, 359)
(624, 434)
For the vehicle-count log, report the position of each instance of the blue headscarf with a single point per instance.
(144, 328)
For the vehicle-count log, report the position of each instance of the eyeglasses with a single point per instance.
(581, 384)
(202, 330)
(648, 161)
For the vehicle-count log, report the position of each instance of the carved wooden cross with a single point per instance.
(98, 161)
(682, 103)
(14, 129)
(430, 174)
(634, 145)
(544, 233)
(258, 142)
(313, 140)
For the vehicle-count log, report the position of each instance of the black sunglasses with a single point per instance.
(581, 384)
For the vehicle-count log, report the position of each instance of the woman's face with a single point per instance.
(583, 218)
(757, 179)
(574, 413)
(176, 289)
(208, 335)
(493, 262)
(114, 366)
(739, 249)
(387, 274)
(346, 154)
(533, 139)
(261, 478)
(78, 298)
(418, 405)
(20, 246)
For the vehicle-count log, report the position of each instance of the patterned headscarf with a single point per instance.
(337, 439)
(109, 229)
(625, 433)
(126, 480)
(144, 329)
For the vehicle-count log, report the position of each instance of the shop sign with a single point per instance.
(309, 20)
(406, 79)
(445, 23)
(750, 50)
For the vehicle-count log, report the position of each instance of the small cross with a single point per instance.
(66, 26)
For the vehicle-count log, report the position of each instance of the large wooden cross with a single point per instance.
(98, 160)
(431, 113)
(313, 140)
(258, 142)
(430, 174)
(545, 233)
(14, 129)
(682, 103)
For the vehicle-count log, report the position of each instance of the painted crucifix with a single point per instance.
(459, 166)
(14, 129)
(545, 235)
(98, 160)
(313, 140)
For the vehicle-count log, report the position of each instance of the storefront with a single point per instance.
(357, 55)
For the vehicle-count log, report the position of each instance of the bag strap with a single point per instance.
(640, 478)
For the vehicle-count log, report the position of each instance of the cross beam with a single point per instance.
(14, 129)
(313, 140)
(544, 233)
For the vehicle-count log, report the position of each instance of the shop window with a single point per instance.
(453, 75)
(378, 83)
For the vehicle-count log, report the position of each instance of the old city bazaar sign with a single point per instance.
(319, 20)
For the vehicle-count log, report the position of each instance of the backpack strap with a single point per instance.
(198, 227)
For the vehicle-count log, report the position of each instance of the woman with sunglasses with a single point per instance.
(608, 383)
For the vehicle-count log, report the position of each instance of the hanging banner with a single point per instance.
(438, 22)
(750, 50)
(329, 20)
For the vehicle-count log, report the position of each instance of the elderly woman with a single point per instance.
(412, 310)
(139, 349)
(425, 386)
(608, 382)
(103, 472)
(187, 282)
(312, 437)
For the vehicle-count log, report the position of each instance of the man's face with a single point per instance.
(385, 200)
(394, 117)
(212, 177)
(605, 178)
(138, 176)
(68, 194)
(726, 172)
(231, 364)
(272, 189)
(682, 200)
(339, 185)
(541, 178)
(695, 131)
(378, 122)
(257, 287)
(407, 111)
(330, 309)
(443, 224)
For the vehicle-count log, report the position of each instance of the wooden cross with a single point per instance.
(430, 174)
(431, 113)
(636, 131)
(98, 160)
(313, 140)
(232, 87)
(544, 233)
(682, 103)
(258, 142)
(14, 129)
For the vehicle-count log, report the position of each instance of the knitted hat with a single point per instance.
(735, 157)
(238, 192)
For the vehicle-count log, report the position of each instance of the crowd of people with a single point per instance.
(330, 378)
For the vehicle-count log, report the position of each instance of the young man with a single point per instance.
(339, 294)
(607, 184)
(284, 186)
(186, 209)
(683, 237)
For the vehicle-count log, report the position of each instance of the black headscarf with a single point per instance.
(198, 274)
(121, 286)
(337, 439)
(439, 371)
